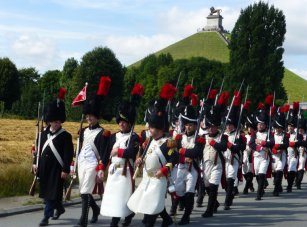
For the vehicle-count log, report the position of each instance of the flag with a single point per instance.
(81, 97)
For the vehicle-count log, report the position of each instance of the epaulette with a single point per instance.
(171, 143)
(201, 140)
(106, 133)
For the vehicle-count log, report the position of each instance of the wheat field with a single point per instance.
(16, 139)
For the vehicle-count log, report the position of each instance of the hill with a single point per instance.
(211, 46)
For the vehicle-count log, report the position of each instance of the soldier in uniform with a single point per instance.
(124, 146)
(261, 142)
(54, 162)
(185, 173)
(213, 159)
(247, 167)
(235, 145)
(295, 141)
(159, 159)
(281, 139)
(93, 156)
(302, 153)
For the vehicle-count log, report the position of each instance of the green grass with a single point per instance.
(211, 46)
(202, 44)
(296, 87)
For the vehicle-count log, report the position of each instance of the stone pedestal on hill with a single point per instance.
(214, 23)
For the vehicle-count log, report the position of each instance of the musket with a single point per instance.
(220, 91)
(201, 111)
(74, 175)
(38, 151)
(169, 106)
(298, 117)
(240, 115)
(270, 118)
(137, 170)
(227, 116)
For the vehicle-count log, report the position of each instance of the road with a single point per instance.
(289, 209)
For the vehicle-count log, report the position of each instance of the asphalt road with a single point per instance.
(287, 210)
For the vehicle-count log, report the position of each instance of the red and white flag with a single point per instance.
(81, 97)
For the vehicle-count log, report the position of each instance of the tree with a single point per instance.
(49, 85)
(9, 83)
(256, 50)
(94, 64)
(30, 94)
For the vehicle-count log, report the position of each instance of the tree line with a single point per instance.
(255, 55)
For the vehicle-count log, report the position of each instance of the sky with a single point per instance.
(45, 33)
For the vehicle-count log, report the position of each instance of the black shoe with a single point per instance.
(275, 193)
(216, 205)
(167, 222)
(289, 190)
(128, 220)
(207, 215)
(226, 207)
(298, 187)
(44, 222)
(199, 205)
(95, 216)
(57, 214)
(184, 221)
(252, 189)
(245, 191)
(266, 183)
(258, 198)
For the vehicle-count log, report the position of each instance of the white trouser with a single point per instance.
(87, 176)
(184, 180)
(301, 162)
(279, 162)
(261, 164)
(231, 170)
(212, 173)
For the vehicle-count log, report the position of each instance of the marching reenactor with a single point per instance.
(302, 155)
(185, 174)
(262, 142)
(213, 159)
(124, 146)
(295, 142)
(235, 145)
(281, 139)
(93, 156)
(159, 158)
(54, 162)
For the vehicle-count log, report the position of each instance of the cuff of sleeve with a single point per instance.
(212, 142)
(263, 143)
(120, 152)
(100, 166)
(178, 137)
(274, 151)
(164, 170)
(182, 151)
(229, 145)
(276, 146)
(292, 144)
(258, 148)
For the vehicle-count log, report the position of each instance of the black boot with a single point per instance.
(189, 203)
(299, 179)
(201, 194)
(245, 190)
(261, 182)
(212, 202)
(44, 222)
(166, 219)
(181, 204)
(277, 182)
(229, 194)
(95, 208)
(266, 183)
(291, 176)
(128, 219)
(216, 206)
(84, 213)
(114, 222)
(174, 206)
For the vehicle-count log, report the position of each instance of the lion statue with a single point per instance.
(212, 11)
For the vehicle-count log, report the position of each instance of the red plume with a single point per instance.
(168, 91)
(285, 108)
(223, 99)
(237, 100)
(296, 105)
(138, 89)
(247, 104)
(104, 86)
(260, 106)
(62, 93)
(269, 100)
(188, 90)
(212, 94)
(194, 98)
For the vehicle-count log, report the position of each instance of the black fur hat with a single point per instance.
(126, 112)
(55, 111)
